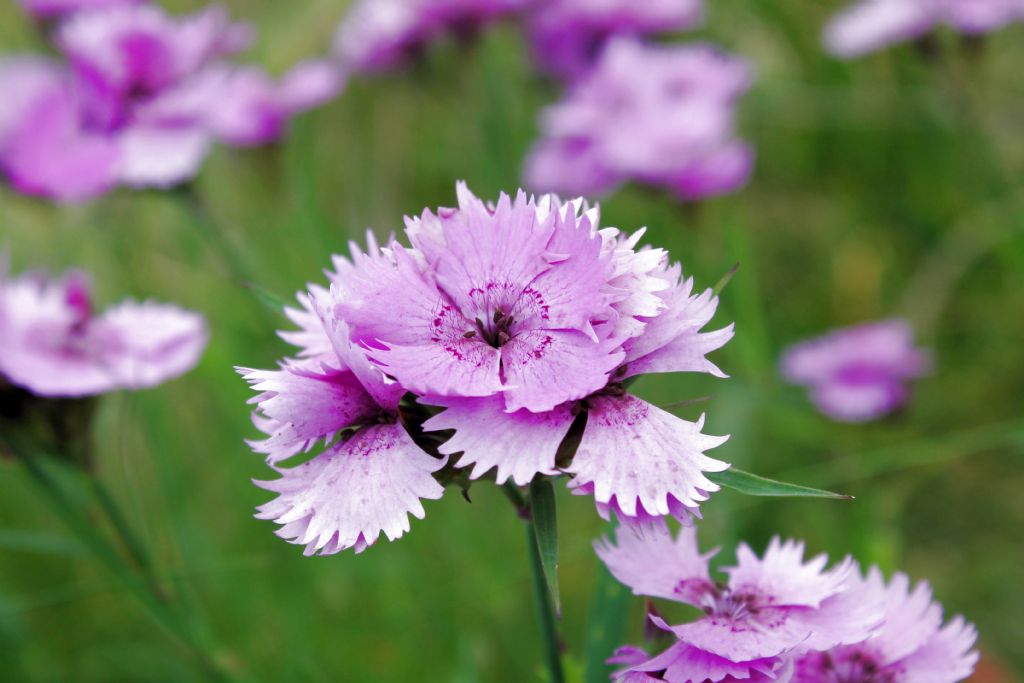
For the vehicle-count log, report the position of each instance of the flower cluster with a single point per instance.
(662, 115)
(567, 35)
(138, 100)
(858, 373)
(873, 24)
(781, 618)
(381, 34)
(520, 320)
(52, 343)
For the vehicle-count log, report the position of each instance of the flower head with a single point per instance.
(858, 373)
(913, 646)
(518, 320)
(52, 342)
(142, 97)
(377, 35)
(768, 609)
(567, 35)
(873, 24)
(648, 113)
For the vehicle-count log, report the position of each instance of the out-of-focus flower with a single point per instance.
(519, 316)
(912, 646)
(253, 109)
(858, 373)
(143, 97)
(873, 24)
(770, 608)
(373, 477)
(654, 114)
(50, 9)
(377, 35)
(567, 35)
(53, 344)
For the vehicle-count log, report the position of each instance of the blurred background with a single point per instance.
(890, 185)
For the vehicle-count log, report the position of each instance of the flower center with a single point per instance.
(497, 332)
(852, 667)
(722, 602)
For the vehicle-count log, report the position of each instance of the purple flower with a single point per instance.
(566, 35)
(518, 317)
(648, 113)
(912, 646)
(377, 35)
(49, 9)
(857, 373)
(769, 608)
(364, 483)
(143, 97)
(873, 24)
(53, 344)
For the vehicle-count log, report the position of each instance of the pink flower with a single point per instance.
(769, 608)
(144, 96)
(912, 647)
(857, 373)
(516, 318)
(873, 24)
(654, 114)
(377, 35)
(53, 344)
(566, 35)
(371, 475)
(48, 9)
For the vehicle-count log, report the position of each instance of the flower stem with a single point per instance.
(147, 593)
(542, 598)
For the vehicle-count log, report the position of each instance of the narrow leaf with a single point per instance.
(753, 485)
(545, 533)
(606, 626)
(272, 301)
(724, 280)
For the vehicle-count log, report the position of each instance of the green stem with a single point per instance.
(542, 598)
(76, 520)
(200, 217)
(128, 538)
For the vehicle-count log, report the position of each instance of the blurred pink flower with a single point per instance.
(143, 97)
(654, 114)
(49, 9)
(873, 24)
(567, 35)
(911, 647)
(377, 35)
(770, 608)
(858, 373)
(53, 344)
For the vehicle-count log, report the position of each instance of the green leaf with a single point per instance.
(753, 485)
(545, 533)
(724, 280)
(272, 301)
(606, 626)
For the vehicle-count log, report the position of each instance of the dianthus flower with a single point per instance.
(769, 608)
(912, 646)
(519, 319)
(567, 35)
(661, 115)
(143, 97)
(53, 344)
(377, 35)
(873, 24)
(857, 373)
(51, 9)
